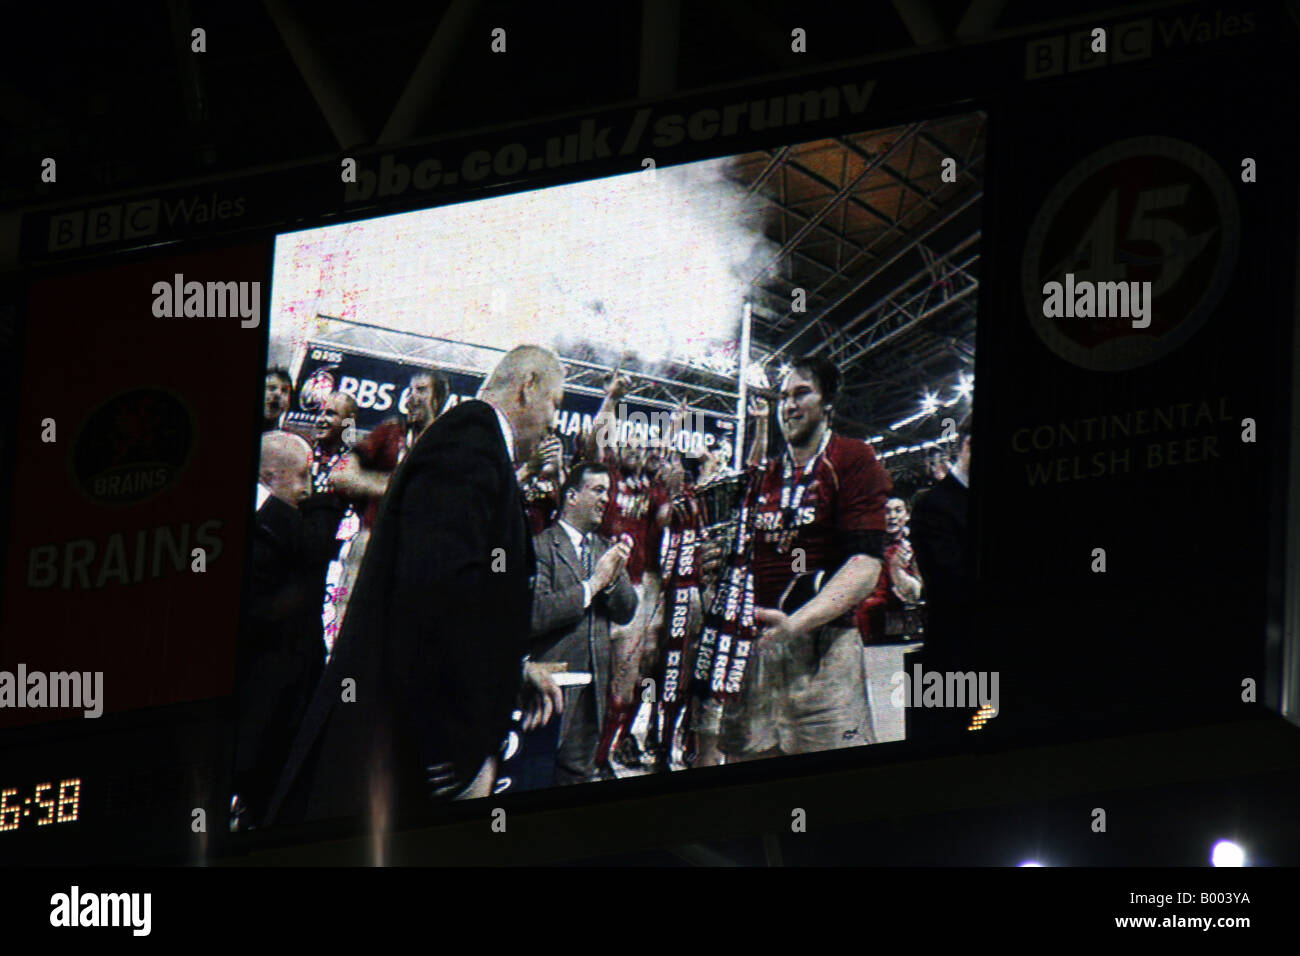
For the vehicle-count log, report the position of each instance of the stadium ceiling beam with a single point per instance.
(841, 338)
(840, 195)
(887, 400)
(961, 349)
(894, 174)
(893, 319)
(865, 382)
(882, 416)
(783, 295)
(816, 294)
(912, 322)
(800, 256)
(968, 161)
(873, 163)
(887, 307)
(803, 217)
(344, 122)
(770, 308)
(940, 268)
(776, 163)
(890, 378)
(418, 95)
(817, 325)
(866, 250)
(923, 233)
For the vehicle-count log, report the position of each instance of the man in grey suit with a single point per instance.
(582, 585)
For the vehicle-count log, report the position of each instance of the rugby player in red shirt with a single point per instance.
(366, 472)
(819, 536)
(634, 513)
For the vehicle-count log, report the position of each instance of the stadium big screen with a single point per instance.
(730, 483)
(849, 420)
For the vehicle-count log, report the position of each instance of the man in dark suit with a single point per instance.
(419, 693)
(281, 655)
(582, 585)
(945, 558)
(362, 476)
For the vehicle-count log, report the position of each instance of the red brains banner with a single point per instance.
(133, 478)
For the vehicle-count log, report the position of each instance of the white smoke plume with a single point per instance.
(652, 264)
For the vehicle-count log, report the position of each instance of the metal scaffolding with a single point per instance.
(705, 392)
(886, 249)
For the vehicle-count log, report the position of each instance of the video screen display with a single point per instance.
(564, 486)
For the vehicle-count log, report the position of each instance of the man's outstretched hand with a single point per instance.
(542, 697)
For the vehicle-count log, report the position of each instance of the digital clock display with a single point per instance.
(60, 802)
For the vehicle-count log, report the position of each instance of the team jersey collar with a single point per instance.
(812, 462)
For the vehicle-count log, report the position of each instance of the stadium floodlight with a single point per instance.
(1227, 853)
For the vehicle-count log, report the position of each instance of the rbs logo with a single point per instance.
(369, 394)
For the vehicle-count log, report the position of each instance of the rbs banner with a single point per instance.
(381, 387)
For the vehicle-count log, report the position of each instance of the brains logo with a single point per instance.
(132, 447)
(318, 387)
(1149, 209)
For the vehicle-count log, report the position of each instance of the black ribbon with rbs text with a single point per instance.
(681, 582)
(727, 639)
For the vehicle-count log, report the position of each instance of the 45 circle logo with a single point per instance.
(1149, 209)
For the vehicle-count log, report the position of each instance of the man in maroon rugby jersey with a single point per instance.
(637, 497)
(819, 537)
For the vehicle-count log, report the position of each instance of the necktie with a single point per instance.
(585, 555)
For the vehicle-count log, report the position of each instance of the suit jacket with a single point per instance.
(945, 558)
(434, 635)
(281, 655)
(560, 622)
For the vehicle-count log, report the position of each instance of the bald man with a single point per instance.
(281, 655)
(439, 625)
(284, 469)
(330, 458)
(339, 411)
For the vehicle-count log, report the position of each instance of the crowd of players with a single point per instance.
(424, 597)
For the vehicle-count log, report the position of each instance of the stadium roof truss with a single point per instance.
(887, 254)
(886, 251)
